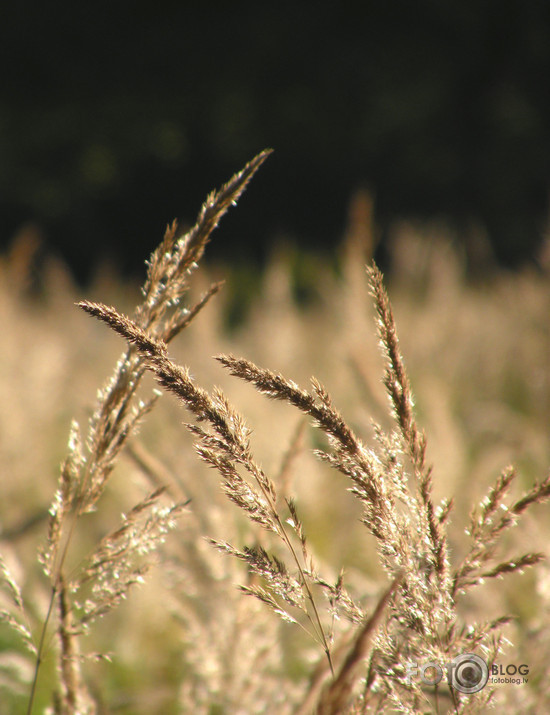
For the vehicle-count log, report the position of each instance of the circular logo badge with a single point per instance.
(468, 673)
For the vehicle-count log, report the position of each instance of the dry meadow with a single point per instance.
(209, 530)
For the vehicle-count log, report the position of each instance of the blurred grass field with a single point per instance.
(477, 354)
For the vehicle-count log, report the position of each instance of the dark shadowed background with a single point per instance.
(117, 117)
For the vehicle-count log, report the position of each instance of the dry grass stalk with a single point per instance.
(73, 696)
(15, 616)
(337, 696)
(410, 530)
(379, 480)
(487, 528)
(227, 448)
(87, 467)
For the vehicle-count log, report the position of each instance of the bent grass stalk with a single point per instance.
(117, 415)
(226, 449)
(399, 512)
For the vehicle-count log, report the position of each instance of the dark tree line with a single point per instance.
(115, 118)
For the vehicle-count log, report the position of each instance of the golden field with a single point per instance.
(187, 639)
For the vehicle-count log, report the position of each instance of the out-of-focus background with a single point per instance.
(117, 117)
(477, 355)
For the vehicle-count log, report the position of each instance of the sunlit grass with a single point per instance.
(476, 356)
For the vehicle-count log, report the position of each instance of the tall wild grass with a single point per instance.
(315, 507)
